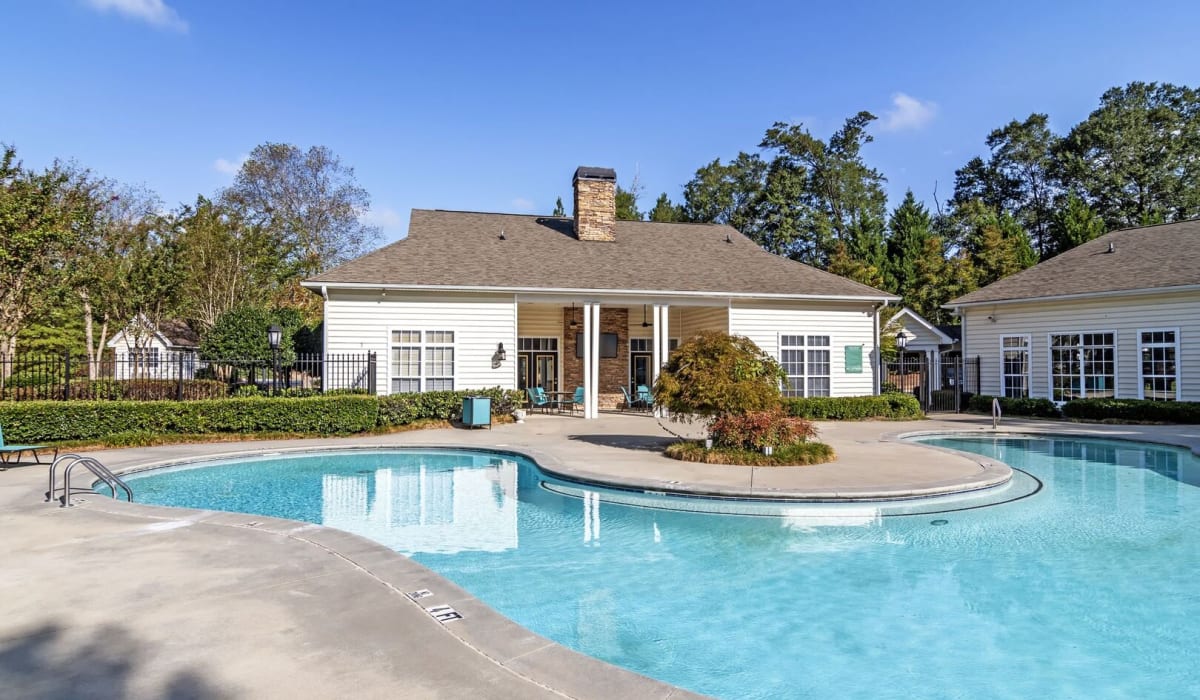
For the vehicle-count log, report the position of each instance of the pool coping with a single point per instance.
(495, 637)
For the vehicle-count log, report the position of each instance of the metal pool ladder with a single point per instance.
(94, 466)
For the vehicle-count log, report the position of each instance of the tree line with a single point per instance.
(1133, 161)
(83, 257)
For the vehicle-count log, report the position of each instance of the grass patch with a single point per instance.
(798, 455)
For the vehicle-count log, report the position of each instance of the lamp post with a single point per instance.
(902, 339)
(274, 336)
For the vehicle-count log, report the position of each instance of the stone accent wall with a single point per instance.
(595, 209)
(614, 371)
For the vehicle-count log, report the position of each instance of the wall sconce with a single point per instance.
(501, 356)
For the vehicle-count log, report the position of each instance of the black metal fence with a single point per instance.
(940, 382)
(151, 374)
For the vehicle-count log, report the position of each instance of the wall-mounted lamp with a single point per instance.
(992, 319)
(501, 356)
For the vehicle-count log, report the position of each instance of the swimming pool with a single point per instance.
(1080, 583)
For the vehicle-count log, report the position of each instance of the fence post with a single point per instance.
(179, 368)
(371, 370)
(67, 376)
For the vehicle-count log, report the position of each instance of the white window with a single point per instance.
(144, 358)
(406, 362)
(1014, 360)
(418, 366)
(1082, 365)
(1158, 373)
(806, 361)
(647, 345)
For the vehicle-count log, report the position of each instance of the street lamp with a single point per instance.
(274, 336)
(902, 339)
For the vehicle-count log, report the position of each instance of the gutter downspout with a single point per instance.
(877, 370)
(324, 333)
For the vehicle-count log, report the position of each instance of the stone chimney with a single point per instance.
(595, 203)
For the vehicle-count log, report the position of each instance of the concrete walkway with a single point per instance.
(115, 600)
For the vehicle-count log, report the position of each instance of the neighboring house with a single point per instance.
(1118, 316)
(934, 347)
(471, 300)
(167, 352)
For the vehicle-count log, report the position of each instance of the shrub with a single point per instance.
(49, 421)
(1133, 410)
(716, 373)
(758, 429)
(799, 454)
(1037, 408)
(886, 406)
(402, 409)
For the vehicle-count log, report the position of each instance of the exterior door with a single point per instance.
(537, 369)
(639, 370)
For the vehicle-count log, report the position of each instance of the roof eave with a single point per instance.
(318, 285)
(1140, 291)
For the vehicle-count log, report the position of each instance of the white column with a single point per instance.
(662, 342)
(588, 388)
(594, 397)
(656, 358)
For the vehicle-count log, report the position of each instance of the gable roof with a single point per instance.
(1148, 258)
(919, 320)
(173, 333)
(465, 250)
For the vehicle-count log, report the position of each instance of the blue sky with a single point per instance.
(491, 106)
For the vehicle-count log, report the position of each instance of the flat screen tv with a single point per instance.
(608, 345)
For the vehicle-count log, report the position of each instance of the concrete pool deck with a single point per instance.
(116, 600)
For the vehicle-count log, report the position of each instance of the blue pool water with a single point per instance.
(1086, 588)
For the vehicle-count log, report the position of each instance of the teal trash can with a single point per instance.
(477, 411)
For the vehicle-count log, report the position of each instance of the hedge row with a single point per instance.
(48, 421)
(1133, 410)
(892, 406)
(1037, 408)
(333, 414)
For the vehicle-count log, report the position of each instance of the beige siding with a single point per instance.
(695, 319)
(362, 322)
(1125, 316)
(846, 324)
(540, 320)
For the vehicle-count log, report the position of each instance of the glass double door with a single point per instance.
(537, 369)
(639, 369)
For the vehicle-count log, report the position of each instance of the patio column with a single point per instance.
(662, 340)
(593, 396)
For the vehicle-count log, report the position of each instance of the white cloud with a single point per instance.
(385, 218)
(524, 205)
(229, 167)
(907, 113)
(153, 12)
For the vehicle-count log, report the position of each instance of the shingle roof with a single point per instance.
(179, 333)
(1151, 257)
(465, 249)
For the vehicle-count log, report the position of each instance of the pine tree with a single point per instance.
(1076, 223)
(844, 263)
(909, 230)
(665, 211)
(558, 208)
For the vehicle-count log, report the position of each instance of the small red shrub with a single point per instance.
(757, 429)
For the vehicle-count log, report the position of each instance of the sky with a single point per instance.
(491, 106)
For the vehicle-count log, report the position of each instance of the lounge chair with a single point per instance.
(7, 450)
(537, 399)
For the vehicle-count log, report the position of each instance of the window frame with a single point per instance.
(423, 345)
(1176, 345)
(1081, 376)
(1004, 375)
(806, 362)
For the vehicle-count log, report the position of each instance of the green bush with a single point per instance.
(1036, 408)
(49, 421)
(886, 406)
(715, 374)
(1136, 410)
(402, 409)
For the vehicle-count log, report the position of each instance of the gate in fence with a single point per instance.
(941, 381)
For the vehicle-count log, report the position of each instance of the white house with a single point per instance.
(936, 350)
(165, 352)
(1118, 316)
(472, 300)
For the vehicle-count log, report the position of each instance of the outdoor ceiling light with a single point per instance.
(573, 322)
(644, 324)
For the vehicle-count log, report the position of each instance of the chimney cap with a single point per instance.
(585, 172)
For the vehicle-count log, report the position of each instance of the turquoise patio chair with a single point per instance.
(629, 402)
(537, 398)
(644, 397)
(576, 400)
(8, 450)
